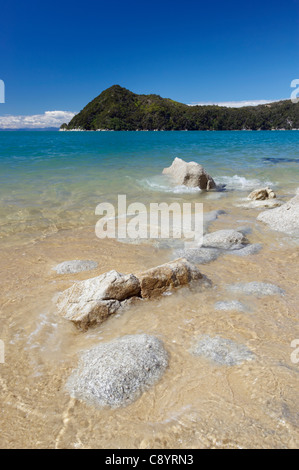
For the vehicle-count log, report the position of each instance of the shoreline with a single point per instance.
(173, 130)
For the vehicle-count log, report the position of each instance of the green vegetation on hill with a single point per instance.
(119, 109)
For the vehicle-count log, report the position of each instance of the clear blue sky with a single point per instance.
(58, 55)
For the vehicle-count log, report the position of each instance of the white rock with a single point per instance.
(115, 374)
(190, 174)
(284, 218)
(93, 300)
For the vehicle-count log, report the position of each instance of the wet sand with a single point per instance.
(197, 403)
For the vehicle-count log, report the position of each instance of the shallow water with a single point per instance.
(48, 199)
(51, 181)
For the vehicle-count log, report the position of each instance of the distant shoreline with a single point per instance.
(57, 129)
(174, 130)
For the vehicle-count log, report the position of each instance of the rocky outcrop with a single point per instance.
(75, 266)
(284, 218)
(221, 350)
(262, 194)
(116, 373)
(92, 301)
(190, 174)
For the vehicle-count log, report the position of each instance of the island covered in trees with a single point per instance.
(119, 109)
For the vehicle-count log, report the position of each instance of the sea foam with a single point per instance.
(160, 184)
(241, 182)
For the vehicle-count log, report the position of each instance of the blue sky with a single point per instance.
(59, 55)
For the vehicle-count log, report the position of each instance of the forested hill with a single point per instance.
(119, 109)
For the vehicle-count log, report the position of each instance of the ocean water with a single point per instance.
(50, 181)
(50, 184)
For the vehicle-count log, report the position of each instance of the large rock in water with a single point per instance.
(89, 302)
(284, 218)
(115, 374)
(160, 279)
(190, 174)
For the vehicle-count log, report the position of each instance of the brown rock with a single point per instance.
(156, 281)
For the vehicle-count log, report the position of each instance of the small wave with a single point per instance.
(236, 182)
(240, 182)
(160, 185)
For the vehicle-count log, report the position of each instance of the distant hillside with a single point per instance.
(119, 109)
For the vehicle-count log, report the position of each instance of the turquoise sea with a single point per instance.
(53, 180)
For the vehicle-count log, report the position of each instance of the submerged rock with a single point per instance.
(200, 255)
(75, 266)
(256, 288)
(221, 350)
(190, 174)
(284, 218)
(219, 243)
(225, 240)
(156, 281)
(262, 194)
(230, 305)
(247, 250)
(115, 374)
